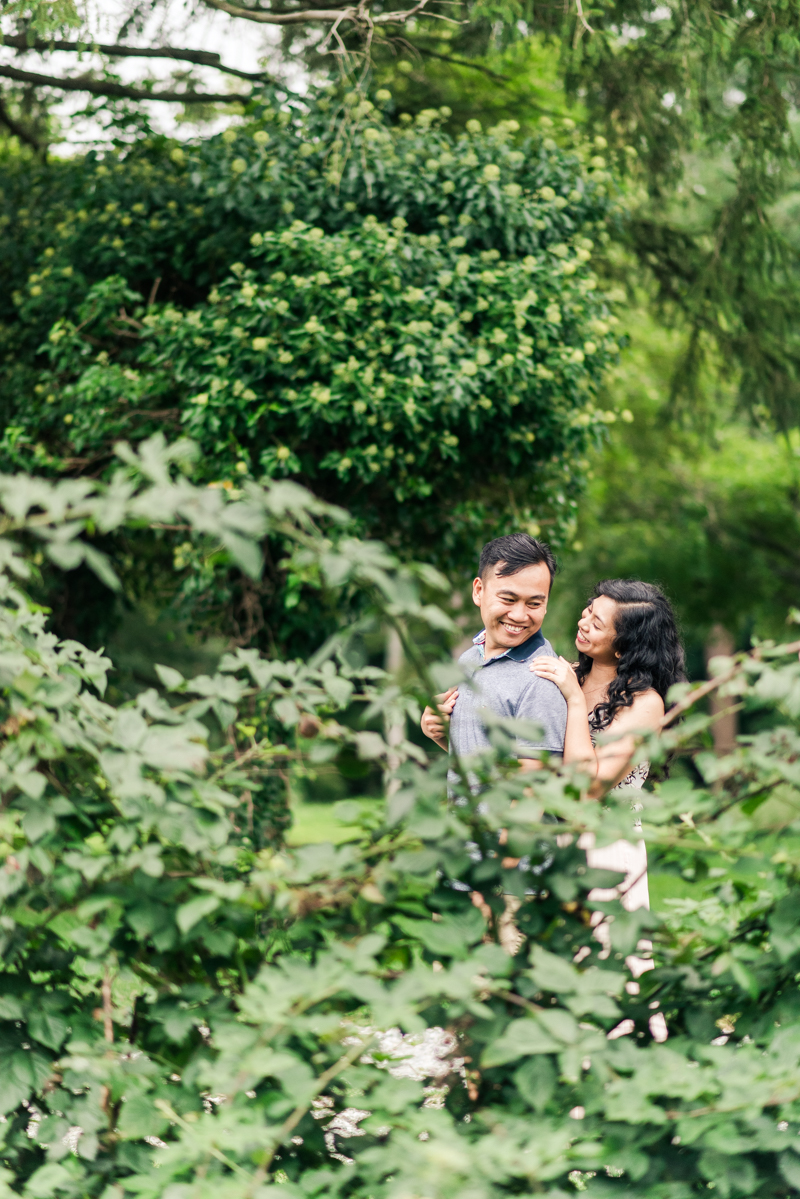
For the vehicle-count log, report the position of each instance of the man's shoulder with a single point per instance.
(471, 655)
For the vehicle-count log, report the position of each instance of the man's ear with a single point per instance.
(477, 591)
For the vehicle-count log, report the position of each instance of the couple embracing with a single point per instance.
(629, 655)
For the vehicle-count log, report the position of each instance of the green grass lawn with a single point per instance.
(315, 822)
(312, 822)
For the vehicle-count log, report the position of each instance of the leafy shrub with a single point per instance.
(182, 1014)
(461, 323)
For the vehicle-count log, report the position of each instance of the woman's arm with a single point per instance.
(578, 748)
(644, 715)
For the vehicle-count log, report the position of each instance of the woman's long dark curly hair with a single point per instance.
(648, 643)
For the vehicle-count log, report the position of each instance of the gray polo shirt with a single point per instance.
(507, 686)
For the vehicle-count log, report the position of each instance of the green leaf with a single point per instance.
(790, 1169)
(171, 678)
(138, 1117)
(101, 566)
(10, 1008)
(191, 913)
(535, 1080)
(785, 926)
(451, 936)
(48, 1180)
(48, 1028)
(522, 1037)
(37, 822)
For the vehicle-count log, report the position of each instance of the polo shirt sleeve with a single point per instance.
(541, 702)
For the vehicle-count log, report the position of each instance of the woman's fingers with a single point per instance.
(546, 666)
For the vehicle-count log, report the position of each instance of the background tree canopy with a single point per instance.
(389, 314)
(663, 81)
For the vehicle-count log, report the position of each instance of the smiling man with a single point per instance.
(511, 590)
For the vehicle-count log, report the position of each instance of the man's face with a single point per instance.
(512, 606)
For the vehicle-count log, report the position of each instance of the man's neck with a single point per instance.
(491, 650)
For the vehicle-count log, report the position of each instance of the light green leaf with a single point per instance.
(189, 914)
(47, 1180)
(172, 679)
(48, 1028)
(524, 1036)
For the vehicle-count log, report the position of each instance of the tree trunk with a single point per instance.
(720, 643)
(394, 721)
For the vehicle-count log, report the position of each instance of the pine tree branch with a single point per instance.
(203, 58)
(99, 87)
(357, 14)
(17, 129)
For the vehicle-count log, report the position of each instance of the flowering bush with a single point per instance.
(407, 319)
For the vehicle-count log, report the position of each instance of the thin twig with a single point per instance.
(463, 62)
(18, 130)
(170, 1113)
(705, 689)
(292, 1121)
(303, 16)
(582, 18)
(108, 1021)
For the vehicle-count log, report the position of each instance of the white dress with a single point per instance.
(628, 857)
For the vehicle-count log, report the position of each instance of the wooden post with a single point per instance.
(720, 643)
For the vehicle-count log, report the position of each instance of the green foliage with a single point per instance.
(407, 320)
(696, 104)
(709, 510)
(442, 327)
(521, 81)
(180, 1012)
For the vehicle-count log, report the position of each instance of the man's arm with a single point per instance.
(434, 723)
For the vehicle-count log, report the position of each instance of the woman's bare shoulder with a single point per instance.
(647, 709)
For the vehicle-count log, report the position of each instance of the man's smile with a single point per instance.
(513, 629)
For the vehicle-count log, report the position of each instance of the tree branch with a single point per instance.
(202, 58)
(582, 18)
(99, 87)
(335, 15)
(288, 18)
(17, 129)
(706, 688)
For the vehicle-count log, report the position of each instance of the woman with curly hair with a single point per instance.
(629, 655)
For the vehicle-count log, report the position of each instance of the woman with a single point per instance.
(629, 655)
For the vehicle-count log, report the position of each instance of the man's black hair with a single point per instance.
(515, 552)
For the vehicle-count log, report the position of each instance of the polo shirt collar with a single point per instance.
(517, 653)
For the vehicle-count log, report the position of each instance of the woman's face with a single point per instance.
(596, 629)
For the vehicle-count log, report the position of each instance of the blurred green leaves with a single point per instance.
(182, 1008)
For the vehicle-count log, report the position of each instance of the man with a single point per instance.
(512, 589)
